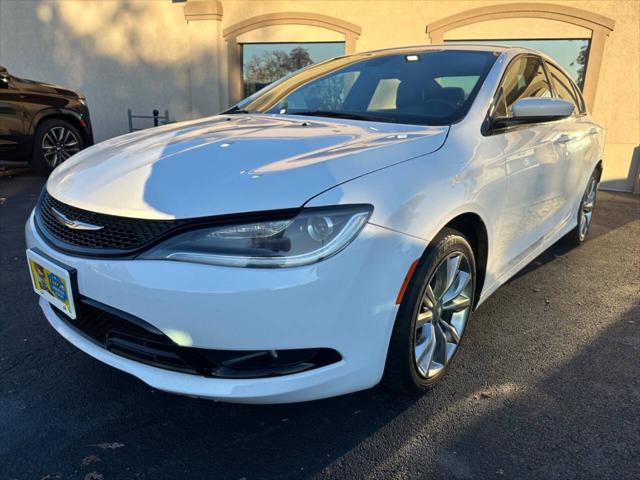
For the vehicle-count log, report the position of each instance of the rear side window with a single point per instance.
(524, 78)
(565, 89)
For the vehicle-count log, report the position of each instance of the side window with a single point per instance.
(564, 88)
(524, 78)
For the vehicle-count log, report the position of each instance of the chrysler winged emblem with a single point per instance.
(74, 224)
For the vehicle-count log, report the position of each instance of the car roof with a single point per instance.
(495, 48)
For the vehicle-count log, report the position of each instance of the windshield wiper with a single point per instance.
(236, 109)
(331, 114)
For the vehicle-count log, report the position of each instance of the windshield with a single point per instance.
(424, 88)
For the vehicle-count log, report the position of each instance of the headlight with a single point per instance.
(313, 235)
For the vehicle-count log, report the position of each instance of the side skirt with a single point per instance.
(534, 251)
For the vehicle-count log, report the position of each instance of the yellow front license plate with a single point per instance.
(51, 281)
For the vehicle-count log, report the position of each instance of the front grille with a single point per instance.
(133, 338)
(118, 235)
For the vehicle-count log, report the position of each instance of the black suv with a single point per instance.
(42, 122)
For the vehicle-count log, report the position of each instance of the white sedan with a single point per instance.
(333, 230)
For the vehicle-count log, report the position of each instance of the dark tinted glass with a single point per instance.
(525, 78)
(564, 88)
(426, 88)
(570, 53)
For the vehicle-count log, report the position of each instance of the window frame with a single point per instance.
(487, 129)
(582, 106)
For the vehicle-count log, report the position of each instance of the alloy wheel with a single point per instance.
(58, 144)
(443, 314)
(586, 209)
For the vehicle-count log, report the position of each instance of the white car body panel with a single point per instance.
(206, 167)
(524, 185)
(237, 308)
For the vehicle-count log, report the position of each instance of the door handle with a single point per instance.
(563, 138)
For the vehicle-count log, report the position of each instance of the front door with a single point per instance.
(534, 166)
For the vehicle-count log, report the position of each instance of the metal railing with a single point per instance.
(155, 117)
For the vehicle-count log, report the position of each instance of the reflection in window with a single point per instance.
(570, 53)
(524, 79)
(264, 63)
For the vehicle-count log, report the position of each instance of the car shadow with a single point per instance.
(554, 429)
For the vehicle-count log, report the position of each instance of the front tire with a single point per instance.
(433, 315)
(54, 142)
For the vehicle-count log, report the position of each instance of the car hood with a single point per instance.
(232, 164)
(33, 86)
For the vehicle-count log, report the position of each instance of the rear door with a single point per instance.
(12, 138)
(534, 164)
(578, 136)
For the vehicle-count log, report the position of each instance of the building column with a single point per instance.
(206, 78)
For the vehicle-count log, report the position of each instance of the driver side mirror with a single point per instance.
(535, 110)
(4, 77)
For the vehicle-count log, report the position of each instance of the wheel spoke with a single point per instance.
(453, 266)
(435, 368)
(429, 298)
(457, 287)
(426, 316)
(458, 304)
(47, 140)
(440, 355)
(424, 350)
(451, 330)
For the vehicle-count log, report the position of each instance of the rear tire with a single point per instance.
(54, 142)
(578, 235)
(433, 315)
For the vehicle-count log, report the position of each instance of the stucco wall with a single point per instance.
(144, 54)
(120, 55)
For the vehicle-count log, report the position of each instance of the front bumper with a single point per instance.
(346, 303)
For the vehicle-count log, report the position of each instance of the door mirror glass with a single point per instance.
(534, 110)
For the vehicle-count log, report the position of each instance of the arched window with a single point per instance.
(598, 25)
(347, 31)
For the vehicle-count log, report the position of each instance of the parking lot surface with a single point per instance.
(547, 385)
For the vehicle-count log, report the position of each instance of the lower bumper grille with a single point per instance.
(133, 338)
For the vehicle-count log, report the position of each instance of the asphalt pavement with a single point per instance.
(547, 385)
